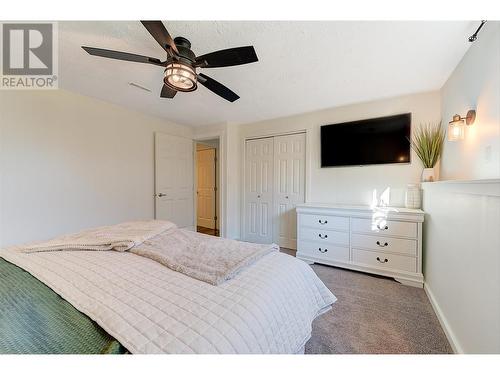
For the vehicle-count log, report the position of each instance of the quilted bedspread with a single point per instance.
(149, 308)
(35, 320)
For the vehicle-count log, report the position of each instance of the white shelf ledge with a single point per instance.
(487, 187)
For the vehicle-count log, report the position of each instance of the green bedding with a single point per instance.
(34, 319)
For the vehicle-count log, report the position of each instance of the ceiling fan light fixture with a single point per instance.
(181, 63)
(180, 77)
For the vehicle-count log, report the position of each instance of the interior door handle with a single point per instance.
(161, 195)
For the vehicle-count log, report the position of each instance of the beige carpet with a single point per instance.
(374, 315)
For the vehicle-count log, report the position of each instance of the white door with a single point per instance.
(289, 186)
(205, 161)
(174, 180)
(259, 190)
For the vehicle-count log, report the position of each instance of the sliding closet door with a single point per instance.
(259, 190)
(289, 186)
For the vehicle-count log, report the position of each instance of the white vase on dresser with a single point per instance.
(383, 240)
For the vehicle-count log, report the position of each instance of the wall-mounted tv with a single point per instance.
(382, 140)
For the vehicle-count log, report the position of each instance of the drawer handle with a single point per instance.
(382, 261)
(384, 245)
(323, 222)
(385, 227)
(322, 250)
(323, 236)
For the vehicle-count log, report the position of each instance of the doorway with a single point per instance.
(207, 187)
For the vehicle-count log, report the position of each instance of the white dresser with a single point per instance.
(385, 240)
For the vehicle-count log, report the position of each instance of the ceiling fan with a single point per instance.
(181, 63)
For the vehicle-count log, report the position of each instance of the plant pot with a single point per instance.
(429, 175)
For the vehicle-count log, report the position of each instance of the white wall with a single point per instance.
(461, 229)
(233, 181)
(353, 185)
(68, 162)
(475, 84)
(462, 261)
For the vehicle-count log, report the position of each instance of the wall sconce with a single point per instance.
(456, 127)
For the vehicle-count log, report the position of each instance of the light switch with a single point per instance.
(487, 153)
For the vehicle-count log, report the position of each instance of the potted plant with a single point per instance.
(427, 142)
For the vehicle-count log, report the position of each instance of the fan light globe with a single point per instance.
(180, 77)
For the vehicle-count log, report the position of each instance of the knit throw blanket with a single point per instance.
(120, 237)
(206, 258)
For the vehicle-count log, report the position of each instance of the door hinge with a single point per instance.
(215, 188)
(215, 159)
(215, 218)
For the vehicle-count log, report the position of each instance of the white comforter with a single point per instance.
(149, 308)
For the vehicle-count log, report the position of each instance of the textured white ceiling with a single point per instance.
(303, 66)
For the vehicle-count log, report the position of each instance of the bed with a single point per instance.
(89, 301)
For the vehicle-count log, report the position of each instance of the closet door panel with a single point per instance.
(259, 190)
(289, 162)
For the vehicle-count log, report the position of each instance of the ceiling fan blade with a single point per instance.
(227, 57)
(159, 32)
(217, 87)
(167, 92)
(122, 56)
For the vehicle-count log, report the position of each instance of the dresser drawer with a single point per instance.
(325, 222)
(324, 236)
(385, 227)
(383, 244)
(384, 260)
(320, 250)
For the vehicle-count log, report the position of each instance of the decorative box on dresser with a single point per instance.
(382, 240)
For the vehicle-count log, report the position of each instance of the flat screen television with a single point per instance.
(382, 140)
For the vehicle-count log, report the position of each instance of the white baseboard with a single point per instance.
(455, 345)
